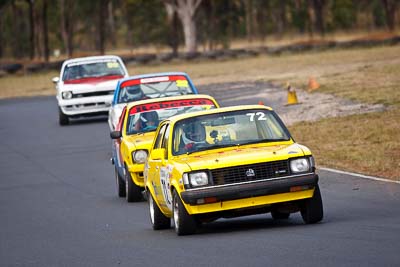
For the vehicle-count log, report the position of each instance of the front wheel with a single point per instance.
(133, 193)
(157, 218)
(184, 223)
(62, 118)
(312, 210)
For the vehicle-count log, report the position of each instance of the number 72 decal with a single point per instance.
(259, 116)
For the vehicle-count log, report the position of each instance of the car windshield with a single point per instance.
(92, 69)
(134, 90)
(145, 118)
(226, 129)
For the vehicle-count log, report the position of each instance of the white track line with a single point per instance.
(360, 175)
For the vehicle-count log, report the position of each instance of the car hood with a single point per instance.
(94, 85)
(243, 155)
(140, 141)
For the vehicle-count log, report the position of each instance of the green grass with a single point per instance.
(367, 143)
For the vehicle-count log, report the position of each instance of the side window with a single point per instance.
(165, 141)
(159, 139)
(121, 120)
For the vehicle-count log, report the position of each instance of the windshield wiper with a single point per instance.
(210, 147)
(266, 140)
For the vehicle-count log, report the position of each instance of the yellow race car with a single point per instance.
(135, 132)
(228, 162)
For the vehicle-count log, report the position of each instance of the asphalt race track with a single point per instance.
(58, 207)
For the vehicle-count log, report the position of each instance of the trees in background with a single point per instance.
(186, 10)
(390, 7)
(66, 10)
(35, 28)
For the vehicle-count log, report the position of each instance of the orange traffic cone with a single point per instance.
(292, 97)
(261, 102)
(312, 84)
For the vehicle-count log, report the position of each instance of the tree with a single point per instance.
(172, 21)
(66, 12)
(249, 6)
(102, 12)
(319, 15)
(2, 4)
(344, 14)
(390, 11)
(45, 31)
(111, 23)
(141, 29)
(186, 10)
(31, 28)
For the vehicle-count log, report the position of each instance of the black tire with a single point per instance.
(120, 183)
(312, 209)
(276, 215)
(157, 218)
(62, 118)
(184, 223)
(133, 193)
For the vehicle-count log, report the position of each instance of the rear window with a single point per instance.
(154, 87)
(93, 69)
(145, 118)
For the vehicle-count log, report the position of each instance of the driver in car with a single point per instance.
(150, 120)
(147, 122)
(194, 134)
(133, 93)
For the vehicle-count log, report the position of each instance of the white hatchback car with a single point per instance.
(86, 86)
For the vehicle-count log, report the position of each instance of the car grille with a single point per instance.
(101, 93)
(88, 106)
(252, 172)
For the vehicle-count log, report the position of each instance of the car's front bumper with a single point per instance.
(85, 105)
(245, 194)
(136, 172)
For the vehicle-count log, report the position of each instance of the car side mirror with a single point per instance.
(115, 134)
(158, 154)
(55, 79)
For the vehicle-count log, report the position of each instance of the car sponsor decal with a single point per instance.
(112, 65)
(94, 80)
(165, 174)
(182, 83)
(85, 62)
(171, 104)
(259, 116)
(153, 80)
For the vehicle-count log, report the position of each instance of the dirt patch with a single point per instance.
(312, 106)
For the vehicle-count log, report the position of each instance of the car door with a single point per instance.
(152, 172)
(165, 171)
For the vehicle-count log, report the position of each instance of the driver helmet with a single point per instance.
(134, 92)
(194, 132)
(151, 116)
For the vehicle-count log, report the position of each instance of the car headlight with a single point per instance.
(195, 179)
(139, 156)
(299, 165)
(66, 95)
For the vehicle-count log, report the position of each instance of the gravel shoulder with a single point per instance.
(312, 106)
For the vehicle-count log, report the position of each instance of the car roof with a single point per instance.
(215, 111)
(91, 58)
(169, 98)
(156, 74)
(151, 75)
